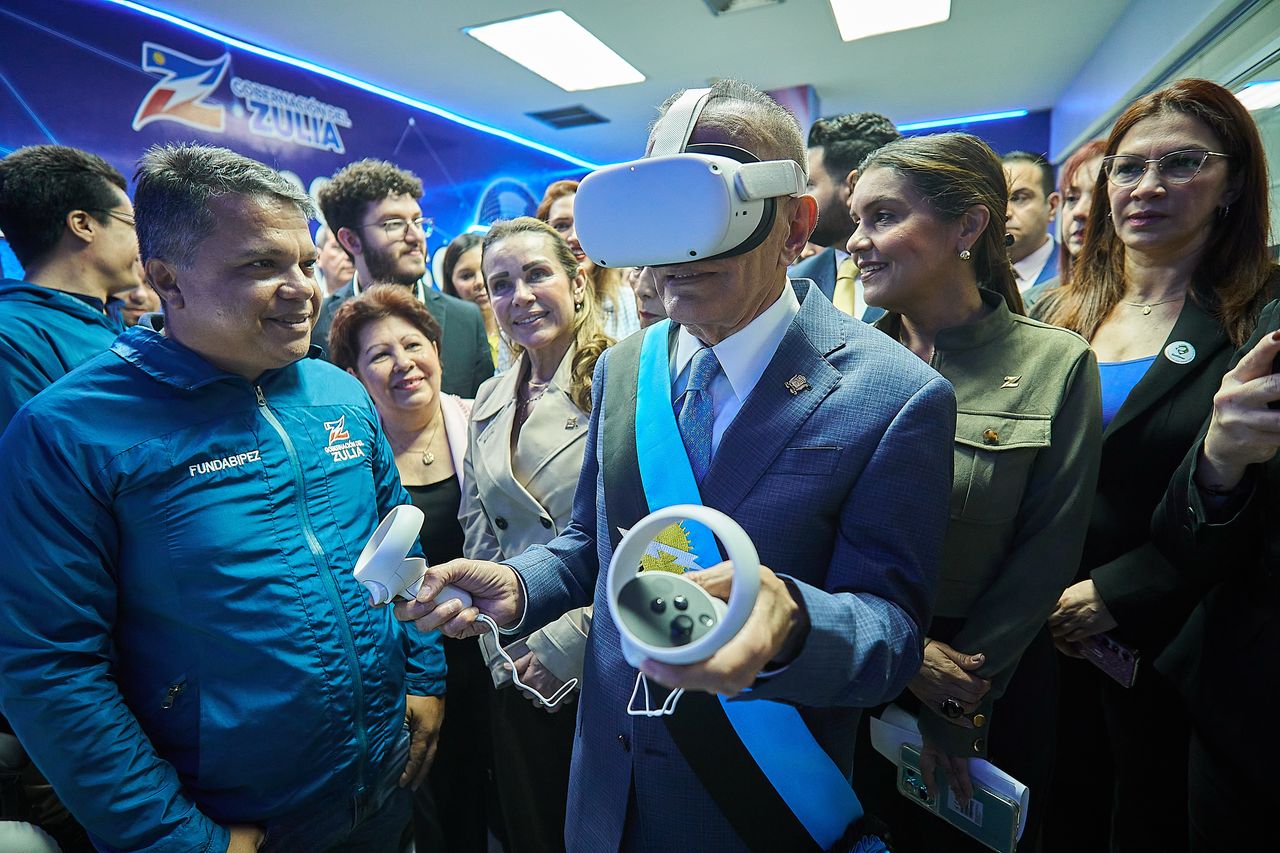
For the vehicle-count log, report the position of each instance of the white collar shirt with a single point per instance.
(743, 357)
(1028, 269)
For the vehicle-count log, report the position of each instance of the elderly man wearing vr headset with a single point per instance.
(827, 442)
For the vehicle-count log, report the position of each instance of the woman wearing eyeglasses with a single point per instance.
(615, 298)
(1171, 278)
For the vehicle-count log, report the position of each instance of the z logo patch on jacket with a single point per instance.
(340, 445)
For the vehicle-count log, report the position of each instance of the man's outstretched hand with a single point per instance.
(495, 591)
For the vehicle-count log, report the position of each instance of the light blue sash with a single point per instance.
(799, 769)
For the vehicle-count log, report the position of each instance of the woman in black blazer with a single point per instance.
(1217, 524)
(1169, 282)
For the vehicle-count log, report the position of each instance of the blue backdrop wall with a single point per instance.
(113, 81)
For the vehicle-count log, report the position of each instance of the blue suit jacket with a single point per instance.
(821, 269)
(844, 487)
(1050, 268)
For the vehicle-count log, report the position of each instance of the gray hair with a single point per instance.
(175, 184)
(766, 128)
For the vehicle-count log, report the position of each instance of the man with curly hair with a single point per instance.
(371, 207)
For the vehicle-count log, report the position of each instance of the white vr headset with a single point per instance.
(682, 202)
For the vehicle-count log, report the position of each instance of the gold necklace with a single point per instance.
(1147, 306)
(427, 456)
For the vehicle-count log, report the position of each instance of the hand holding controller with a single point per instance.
(387, 572)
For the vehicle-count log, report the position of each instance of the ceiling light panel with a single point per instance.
(859, 19)
(1262, 95)
(556, 47)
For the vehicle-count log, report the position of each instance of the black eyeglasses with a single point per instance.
(396, 229)
(1176, 167)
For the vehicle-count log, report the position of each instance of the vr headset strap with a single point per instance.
(673, 130)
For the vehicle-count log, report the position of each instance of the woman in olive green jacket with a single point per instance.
(931, 249)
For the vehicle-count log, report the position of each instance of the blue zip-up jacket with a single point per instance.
(183, 644)
(44, 334)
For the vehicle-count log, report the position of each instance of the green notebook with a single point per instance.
(990, 818)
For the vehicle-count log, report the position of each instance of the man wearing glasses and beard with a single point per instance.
(372, 209)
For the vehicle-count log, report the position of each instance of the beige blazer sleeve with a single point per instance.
(501, 516)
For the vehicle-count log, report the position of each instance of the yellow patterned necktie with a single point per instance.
(843, 297)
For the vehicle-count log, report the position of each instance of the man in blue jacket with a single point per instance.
(65, 214)
(185, 652)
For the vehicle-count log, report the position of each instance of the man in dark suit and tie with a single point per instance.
(837, 146)
(371, 207)
(831, 446)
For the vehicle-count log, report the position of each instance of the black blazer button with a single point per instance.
(546, 522)
(500, 523)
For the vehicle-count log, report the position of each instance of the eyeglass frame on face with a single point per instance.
(1160, 169)
(118, 215)
(397, 228)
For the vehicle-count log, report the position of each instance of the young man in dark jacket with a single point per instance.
(372, 209)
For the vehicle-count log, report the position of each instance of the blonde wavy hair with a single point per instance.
(588, 329)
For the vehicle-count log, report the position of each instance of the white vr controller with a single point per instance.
(386, 570)
(388, 573)
(667, 617)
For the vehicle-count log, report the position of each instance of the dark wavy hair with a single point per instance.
(1232, 277)
(41, 184)
(357, 185)
(376, 303)
(954, 172)
(847, 140)
(457, 247)
(588, 334)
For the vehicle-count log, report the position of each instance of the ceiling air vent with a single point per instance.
(723, 7)
(575, 116)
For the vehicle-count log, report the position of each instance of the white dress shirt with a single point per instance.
(743, 357)
(1028, 269)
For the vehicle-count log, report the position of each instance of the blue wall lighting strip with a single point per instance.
(962, 120)
(239, 44)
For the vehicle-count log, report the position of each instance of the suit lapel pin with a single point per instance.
(572, 423)
(1180, 352)
(796, 384)
(1011, 381)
